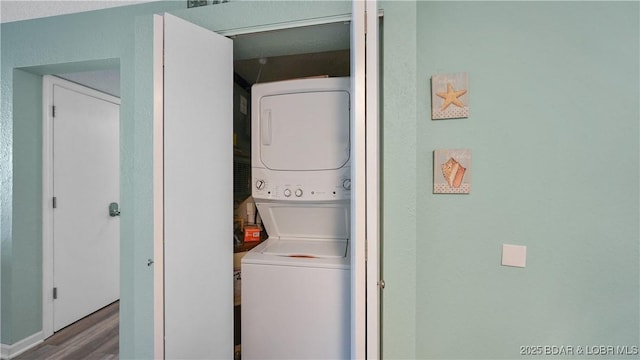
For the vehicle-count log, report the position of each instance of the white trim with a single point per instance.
(373, 183)
(47, 210)
(158, 186)
(11, 351)
(358, 180)
(365, 177)
(48, 82)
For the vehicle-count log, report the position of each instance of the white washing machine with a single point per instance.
(296, 284)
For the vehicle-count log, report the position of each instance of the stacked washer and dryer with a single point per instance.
(296, 284)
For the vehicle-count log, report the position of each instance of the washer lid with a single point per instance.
(308, 248)
(305, 221)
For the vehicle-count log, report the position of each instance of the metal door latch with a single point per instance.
(381, 284)
(113, 209)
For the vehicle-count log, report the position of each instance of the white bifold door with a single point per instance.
(193, 145)
(198, 192)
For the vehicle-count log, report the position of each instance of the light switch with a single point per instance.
(514, 255)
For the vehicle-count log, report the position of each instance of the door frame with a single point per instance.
(365, 229)
(48, 82)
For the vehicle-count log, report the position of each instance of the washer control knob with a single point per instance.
(287, 192)
(298, 192)
(260, 184)
(346, 184)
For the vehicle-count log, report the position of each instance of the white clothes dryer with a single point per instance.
(296, 285)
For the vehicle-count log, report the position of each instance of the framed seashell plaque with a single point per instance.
(452, 171)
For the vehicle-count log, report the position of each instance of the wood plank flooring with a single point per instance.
(94, 337)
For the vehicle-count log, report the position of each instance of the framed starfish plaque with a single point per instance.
(450, 96)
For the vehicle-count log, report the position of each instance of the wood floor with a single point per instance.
(92, 338)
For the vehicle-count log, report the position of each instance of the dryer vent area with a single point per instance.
(249, 72)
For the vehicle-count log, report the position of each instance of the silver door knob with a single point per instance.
(114, 210)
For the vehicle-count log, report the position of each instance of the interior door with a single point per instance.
(86, 178)
(198, 192)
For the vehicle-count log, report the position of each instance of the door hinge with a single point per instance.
(54, 202)
(55, 293)
(53, 111)
(366, 250)
(365, 22)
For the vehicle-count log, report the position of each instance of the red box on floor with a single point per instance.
(251, 233)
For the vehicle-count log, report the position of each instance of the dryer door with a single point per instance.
(305, 131)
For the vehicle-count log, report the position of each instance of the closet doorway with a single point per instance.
(81, 177)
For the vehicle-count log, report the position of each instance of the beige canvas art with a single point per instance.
(452, 171)
(450, 96)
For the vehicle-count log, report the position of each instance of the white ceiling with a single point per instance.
(107, 81)
(15, 10)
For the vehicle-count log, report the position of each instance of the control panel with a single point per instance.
(301, 185)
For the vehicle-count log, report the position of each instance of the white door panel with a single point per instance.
(86, 179)
(198, 197)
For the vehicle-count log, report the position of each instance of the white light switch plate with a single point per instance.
(514, 255)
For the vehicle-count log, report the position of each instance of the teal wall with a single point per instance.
(554, 130)
(28, 308)
(93, 40)
(399, 85)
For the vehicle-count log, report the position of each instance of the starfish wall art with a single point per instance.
(450, 96)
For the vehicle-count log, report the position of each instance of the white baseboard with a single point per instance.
(10, 351)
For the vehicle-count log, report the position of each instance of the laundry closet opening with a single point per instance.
(317, 51)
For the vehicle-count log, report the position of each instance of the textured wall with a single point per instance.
(16, 10)
(399, 86)
(554, 130)
(89, 41)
